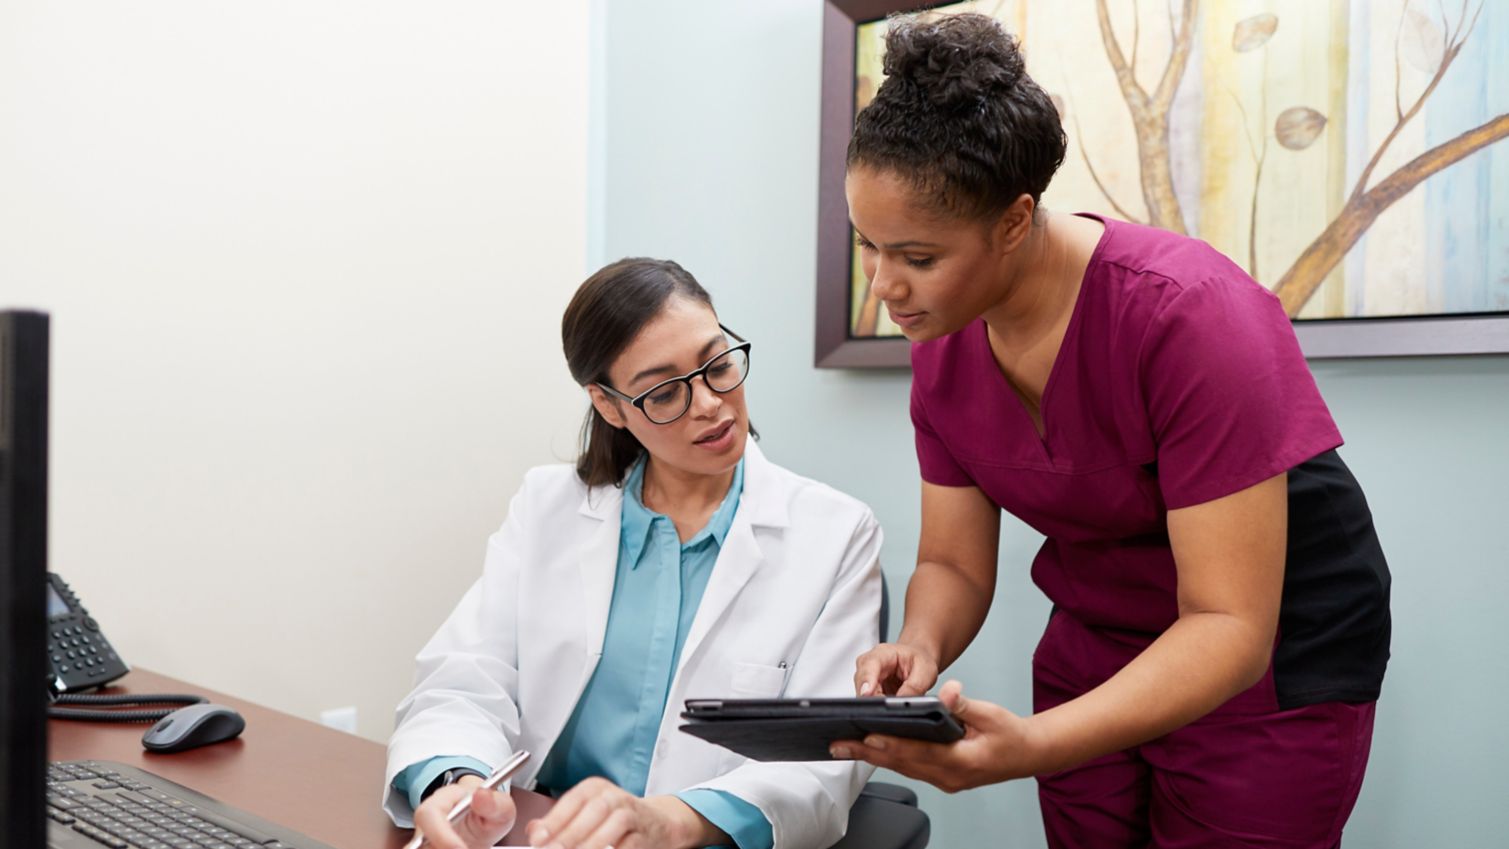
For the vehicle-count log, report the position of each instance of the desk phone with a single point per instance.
(81, 657)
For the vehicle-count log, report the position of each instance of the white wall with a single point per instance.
(306, 263)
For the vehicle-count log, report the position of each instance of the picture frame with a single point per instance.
(834, 345)
(837, 346)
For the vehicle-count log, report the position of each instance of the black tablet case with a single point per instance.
(802, 729)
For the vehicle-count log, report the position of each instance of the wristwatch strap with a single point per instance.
(450, 776)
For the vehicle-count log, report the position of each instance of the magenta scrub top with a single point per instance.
(1179, 381)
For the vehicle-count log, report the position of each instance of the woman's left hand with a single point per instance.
(597, 814)
(997, 746)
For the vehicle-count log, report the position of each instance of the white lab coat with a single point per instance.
(793, 599)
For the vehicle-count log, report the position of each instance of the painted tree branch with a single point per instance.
(868, 322)
(1299, 283)
(1453, 47)
(1105, 192)
(1084, 154)
(1178, 60)
(1150, 115)
(1079, 140)
(1135, 97)
(1257, 161)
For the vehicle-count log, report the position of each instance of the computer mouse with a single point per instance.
(191, 727)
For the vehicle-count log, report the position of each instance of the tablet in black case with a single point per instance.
(802, 729)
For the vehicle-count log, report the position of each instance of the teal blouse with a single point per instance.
(656, 591)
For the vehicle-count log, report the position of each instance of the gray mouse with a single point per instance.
(193, 726)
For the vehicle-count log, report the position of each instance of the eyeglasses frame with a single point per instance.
(639, 400)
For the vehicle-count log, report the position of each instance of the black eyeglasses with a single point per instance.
(669, 400)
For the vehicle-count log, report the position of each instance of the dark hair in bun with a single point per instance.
(958, 116)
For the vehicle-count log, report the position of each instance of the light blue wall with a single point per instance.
(706, 117)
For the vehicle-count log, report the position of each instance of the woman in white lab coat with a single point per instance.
(672, 562)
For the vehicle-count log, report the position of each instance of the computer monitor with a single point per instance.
(24, 672)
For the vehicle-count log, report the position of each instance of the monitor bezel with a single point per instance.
(24, 342)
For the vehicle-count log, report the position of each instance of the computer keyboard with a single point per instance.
(102, 803)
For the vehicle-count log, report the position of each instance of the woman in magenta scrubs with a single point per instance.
(1220, 620)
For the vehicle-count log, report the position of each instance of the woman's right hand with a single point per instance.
(490, 817)
(895, 669)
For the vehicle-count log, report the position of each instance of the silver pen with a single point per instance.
(499, 775)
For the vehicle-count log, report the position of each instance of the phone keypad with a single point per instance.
(81, 656)
(74, 650)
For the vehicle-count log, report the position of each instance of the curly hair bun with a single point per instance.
(955, 60)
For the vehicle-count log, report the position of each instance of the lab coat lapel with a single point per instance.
(598, 565)
(570, 653)
(761, 505)
(737, 562)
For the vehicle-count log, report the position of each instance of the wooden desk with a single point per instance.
(315, 780)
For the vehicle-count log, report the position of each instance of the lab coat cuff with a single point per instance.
(413, 780)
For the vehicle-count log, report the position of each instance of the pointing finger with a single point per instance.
(867, 672)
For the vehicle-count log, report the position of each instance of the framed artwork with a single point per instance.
(1348, 155)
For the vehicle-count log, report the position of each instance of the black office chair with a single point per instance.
(885, 816)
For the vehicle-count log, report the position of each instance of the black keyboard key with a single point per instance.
(121, 812)
(99, 836)
(236, 829)
(127, 832)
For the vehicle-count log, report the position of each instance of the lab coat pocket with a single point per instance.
(751, 681)
(758, 680)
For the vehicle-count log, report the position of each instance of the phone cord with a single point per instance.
(95, 714)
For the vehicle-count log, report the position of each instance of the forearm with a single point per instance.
(688, 829)
(1198, 664)
(945, 608)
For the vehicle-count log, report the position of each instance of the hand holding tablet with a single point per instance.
(803, 729)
